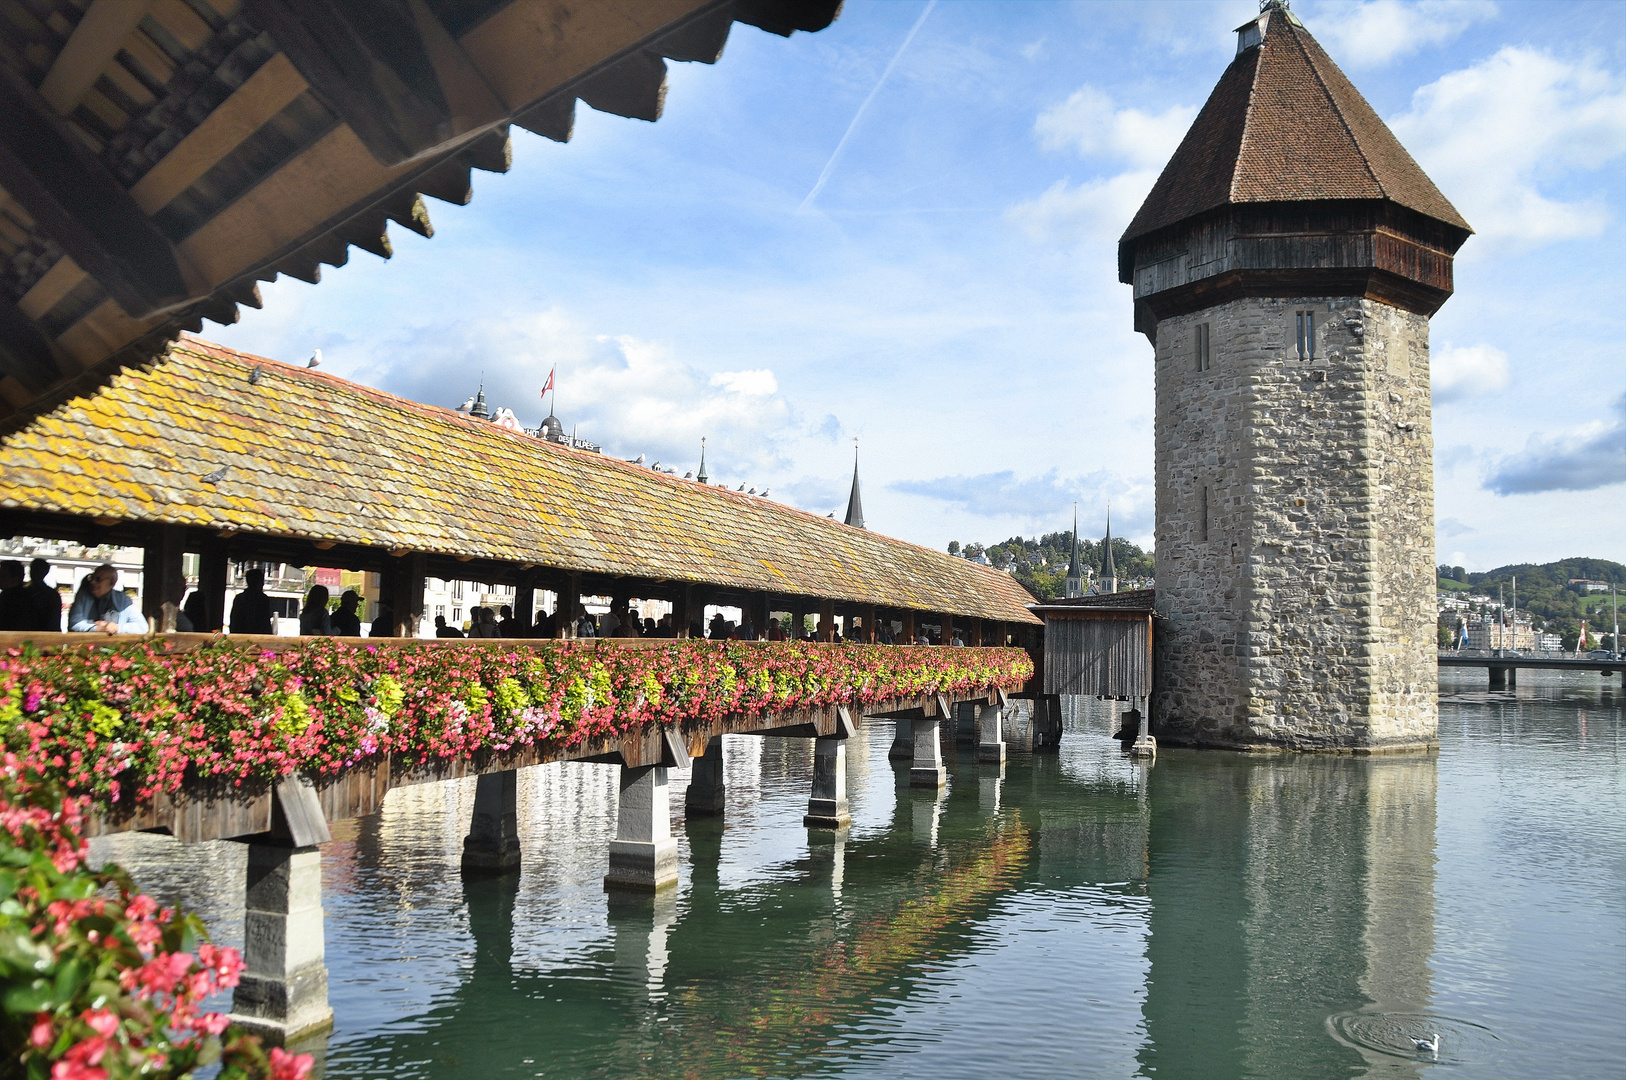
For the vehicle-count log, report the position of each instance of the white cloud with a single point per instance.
(1469, 371)
(1090, 123)
(1501, 136)
(1589, 457)
(759, 383)
(1377, 32)
(1097, 211)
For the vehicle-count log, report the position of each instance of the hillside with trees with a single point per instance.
(1550, 592)
(1040, 563)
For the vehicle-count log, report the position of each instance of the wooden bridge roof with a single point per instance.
(190, 441)
(159, 158)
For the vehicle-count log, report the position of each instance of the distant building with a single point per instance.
(1494, 634)
(1589, 585)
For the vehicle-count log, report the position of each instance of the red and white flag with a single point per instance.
(549, 386)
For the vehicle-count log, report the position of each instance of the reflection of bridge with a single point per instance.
(1504, 670)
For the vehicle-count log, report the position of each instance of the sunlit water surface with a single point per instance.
(1214, 915)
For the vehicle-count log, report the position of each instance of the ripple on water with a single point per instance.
(1462, 1042)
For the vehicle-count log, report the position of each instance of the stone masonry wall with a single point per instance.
(1295, 519)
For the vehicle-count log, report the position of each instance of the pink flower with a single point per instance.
(43, 1031)
(286, 1066)
(102, 1022)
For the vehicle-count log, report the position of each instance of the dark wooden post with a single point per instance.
(798, 617)
(403, 592)
(760, 614)
(524, 604)
(827, 620)
(908, 633)
(974, 633)
(569, 607)
(870, 634)
(946, 635)
(161, 576)
(682, 606)
(213, 570)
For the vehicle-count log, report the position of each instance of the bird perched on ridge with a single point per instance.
(639, 460)
(217, 476)
(315, 360)
(753, 491)
(740, 488)
(255, 376)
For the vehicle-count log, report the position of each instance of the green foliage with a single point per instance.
(1041, 563)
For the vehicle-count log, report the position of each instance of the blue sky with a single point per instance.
(902, 229)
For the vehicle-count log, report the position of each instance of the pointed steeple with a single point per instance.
(480, 411)
(1075, 572)
(855, 505)
(1109, 571)
(701, 475)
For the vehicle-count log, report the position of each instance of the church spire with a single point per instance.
(855, 505)
(1075, 573)
(701, 475)
(1109, 571)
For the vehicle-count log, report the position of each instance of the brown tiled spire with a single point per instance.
(1285, 125)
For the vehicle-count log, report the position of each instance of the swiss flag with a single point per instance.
(549, 386)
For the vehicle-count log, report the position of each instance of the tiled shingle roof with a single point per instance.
(1284, 125)
(312, 456)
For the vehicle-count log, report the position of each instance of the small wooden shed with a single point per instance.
(1098, 646)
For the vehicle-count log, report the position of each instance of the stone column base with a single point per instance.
(482, 858)
(991, 752)
(637, 866)
(903, 740)
(827, 814)
(282, 1011)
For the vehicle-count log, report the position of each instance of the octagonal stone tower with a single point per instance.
(1285, 266)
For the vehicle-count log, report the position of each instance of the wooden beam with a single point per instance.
(161, 577)
(24, 352)
(71, 196)
(101, 33)
(368, 58)
(213, 569)
(403, 592)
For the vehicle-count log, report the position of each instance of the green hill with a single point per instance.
(1546, 592)
(1040, 563)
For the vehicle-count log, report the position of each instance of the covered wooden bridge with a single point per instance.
(235, 457)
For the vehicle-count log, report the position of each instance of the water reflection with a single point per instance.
(1071, 913)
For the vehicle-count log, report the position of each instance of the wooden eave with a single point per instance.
(160, 158)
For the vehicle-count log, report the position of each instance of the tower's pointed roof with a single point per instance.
(855, 504)
(1109, 570)
(1072, 564)
(1285, 125)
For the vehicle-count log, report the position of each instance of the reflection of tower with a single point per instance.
(1284, 892)
(1285, 266)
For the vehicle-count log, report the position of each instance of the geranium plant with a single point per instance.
(122, 722)
(97, 981)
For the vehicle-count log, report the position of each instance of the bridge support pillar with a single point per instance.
(705, 797)
(827, 809)
(282, 996)
(643, 855)
(1498, 678)
(492, 847)
(991, 744)
(927, 769)
(903, 739)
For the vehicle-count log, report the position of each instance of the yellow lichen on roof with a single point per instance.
(314, 456)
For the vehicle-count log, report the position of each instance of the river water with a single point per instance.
(1213, 915)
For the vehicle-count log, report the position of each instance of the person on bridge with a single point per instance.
(442, 630)
(314, 620)
(14, 606)
(507, 625)
(44, 602)
(346, 621)
(251, 609)
(99, 607)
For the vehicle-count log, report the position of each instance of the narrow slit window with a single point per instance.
(1306, 335)
(1203, 357)
(1205, 512)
